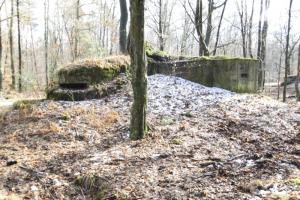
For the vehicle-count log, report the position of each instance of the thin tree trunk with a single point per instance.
(34, 57)
(279, 74)
(160, 27)
(209, 22)
(203, 49)
(287, 59)
(76, 53)
(19, 48)
(243, 22)
(1, 47)
(259, 30)
(123, 26)
(219, 28)
(138, 69)
(46, 39)
(297, 79)
(112, 29)
(250, 31)
(12, 66)
(264, 42)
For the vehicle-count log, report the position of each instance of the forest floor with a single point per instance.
(203, 143)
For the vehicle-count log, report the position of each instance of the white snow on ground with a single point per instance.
(171, 95)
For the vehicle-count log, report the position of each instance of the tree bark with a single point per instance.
(259, 31)
(12, 66)
(123, 26)
(209, 22)
(287, 59)
(76, 42)
(297, 79)
(203, 49)
(243, 23)
(46, 39)
(19, 48)
(138, 70)
(264, 42)
(1, 48)
(250, 31)
(219, 28)
(160, 27)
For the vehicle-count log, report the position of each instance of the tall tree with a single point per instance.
(219, 27)
(77, 35)
(297, 79)
(123, 25)
(264, 40)
(287, 44)
(11, 47)
(243, 14)
(203, 48)
(250, 31)
(259, 36)
(1, 48)
(19, 48)
(138, 70)
(46, 38)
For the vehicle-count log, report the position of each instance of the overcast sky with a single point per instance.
(277, 12)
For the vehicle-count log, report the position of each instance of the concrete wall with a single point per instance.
(235, 74)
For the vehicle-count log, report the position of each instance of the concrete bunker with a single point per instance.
(235, 74)
(94, 79)
(90, 79)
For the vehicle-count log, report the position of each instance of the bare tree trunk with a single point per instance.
(138, 69)
(46, 39)
(113, 28)
(219, 28)
(123, 26)
(243, 23)
(203, 49)
(259, 37)
(297, 79)
(279, 74)
(264, 42)
(184, 36)
(250, 31)
(13, 76)
(76, 52)
(209, 22)
(287, 59)
(19, 48)
(34, 57)
(1, 48)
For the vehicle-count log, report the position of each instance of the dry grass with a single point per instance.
(108, 62)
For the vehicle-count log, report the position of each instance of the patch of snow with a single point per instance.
(169, 95)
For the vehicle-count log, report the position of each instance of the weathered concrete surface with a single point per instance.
(95, 91)
(90, 79)
(235, 74)
(93, 71)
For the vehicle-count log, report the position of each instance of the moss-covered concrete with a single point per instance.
(93, 71)
(96, 91)
(235, 74)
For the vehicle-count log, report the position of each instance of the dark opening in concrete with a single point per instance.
(74, 86)
(244, 75)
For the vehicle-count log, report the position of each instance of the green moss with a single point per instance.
(295, 181)
(221, 58)
(167, 121)
(24, 104)
(93, 71)
(176, 141)
(242, 89)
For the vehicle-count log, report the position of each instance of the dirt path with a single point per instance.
(5, 105)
